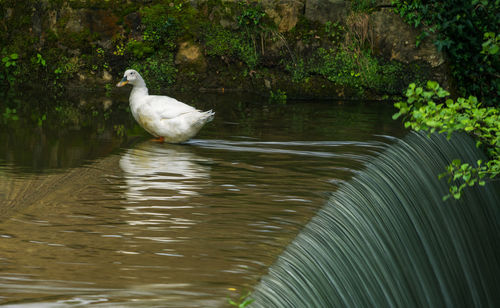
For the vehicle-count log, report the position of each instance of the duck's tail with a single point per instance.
(208, 116)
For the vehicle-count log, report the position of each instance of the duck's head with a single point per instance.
(132, 77)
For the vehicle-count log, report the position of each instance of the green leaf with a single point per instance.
(432, 85)
(493, 49)
(467, 177)
(442, 93)
(432, 123)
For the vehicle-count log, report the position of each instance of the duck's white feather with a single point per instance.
(163, 116)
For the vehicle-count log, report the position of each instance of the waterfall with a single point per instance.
(386, 238)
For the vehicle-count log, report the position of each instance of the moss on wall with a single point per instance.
(247, 45)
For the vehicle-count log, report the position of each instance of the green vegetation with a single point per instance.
(467, 32)
(242, 302)
(159, 69)
(346, 58)
(277, 97)
(9, 115)
(357, 70)
(135, 49)
(10, 60)
(10, 69)
(491, 45)
(430, 109)
(343, 66)
(230, 46)
(239, 41)
(245, 42)
(363, 5)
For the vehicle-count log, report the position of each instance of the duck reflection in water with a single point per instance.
(155, 171)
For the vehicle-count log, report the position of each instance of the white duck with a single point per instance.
(162, 116)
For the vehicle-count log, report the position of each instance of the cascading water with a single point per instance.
(386, 238)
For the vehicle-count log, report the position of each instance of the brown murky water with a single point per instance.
(86, 218)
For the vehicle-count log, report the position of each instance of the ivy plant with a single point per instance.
(462, 29)
(430, 109)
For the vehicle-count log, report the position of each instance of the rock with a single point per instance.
(190, 55)
(52, 20)
(75, 19)
(39, 10)
(228, 23)
(106, 103)
(395, 40)
(324, 11)
(101, 21)
(285, 14)
(8, 13)
(106, 76)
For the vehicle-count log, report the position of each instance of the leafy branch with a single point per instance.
(429, 109)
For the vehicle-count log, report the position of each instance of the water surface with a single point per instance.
(88, 217)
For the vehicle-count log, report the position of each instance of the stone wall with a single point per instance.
(99, 23)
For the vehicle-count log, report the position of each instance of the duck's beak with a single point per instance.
(122, 82)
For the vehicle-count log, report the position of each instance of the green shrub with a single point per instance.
(277, 97)
(9, 71)
(162, 28)
(138, 49)
(334, 31)
(221, 42)
(9, 115)
(158, 70)
(431, 110)
(230, 45)
(338, 66)
(298, 70)
(251, 16)
(460, 27)
(347, 68)
(246, 43)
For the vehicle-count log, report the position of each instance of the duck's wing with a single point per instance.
(166, 107)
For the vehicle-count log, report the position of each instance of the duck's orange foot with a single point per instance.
(159, 139)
